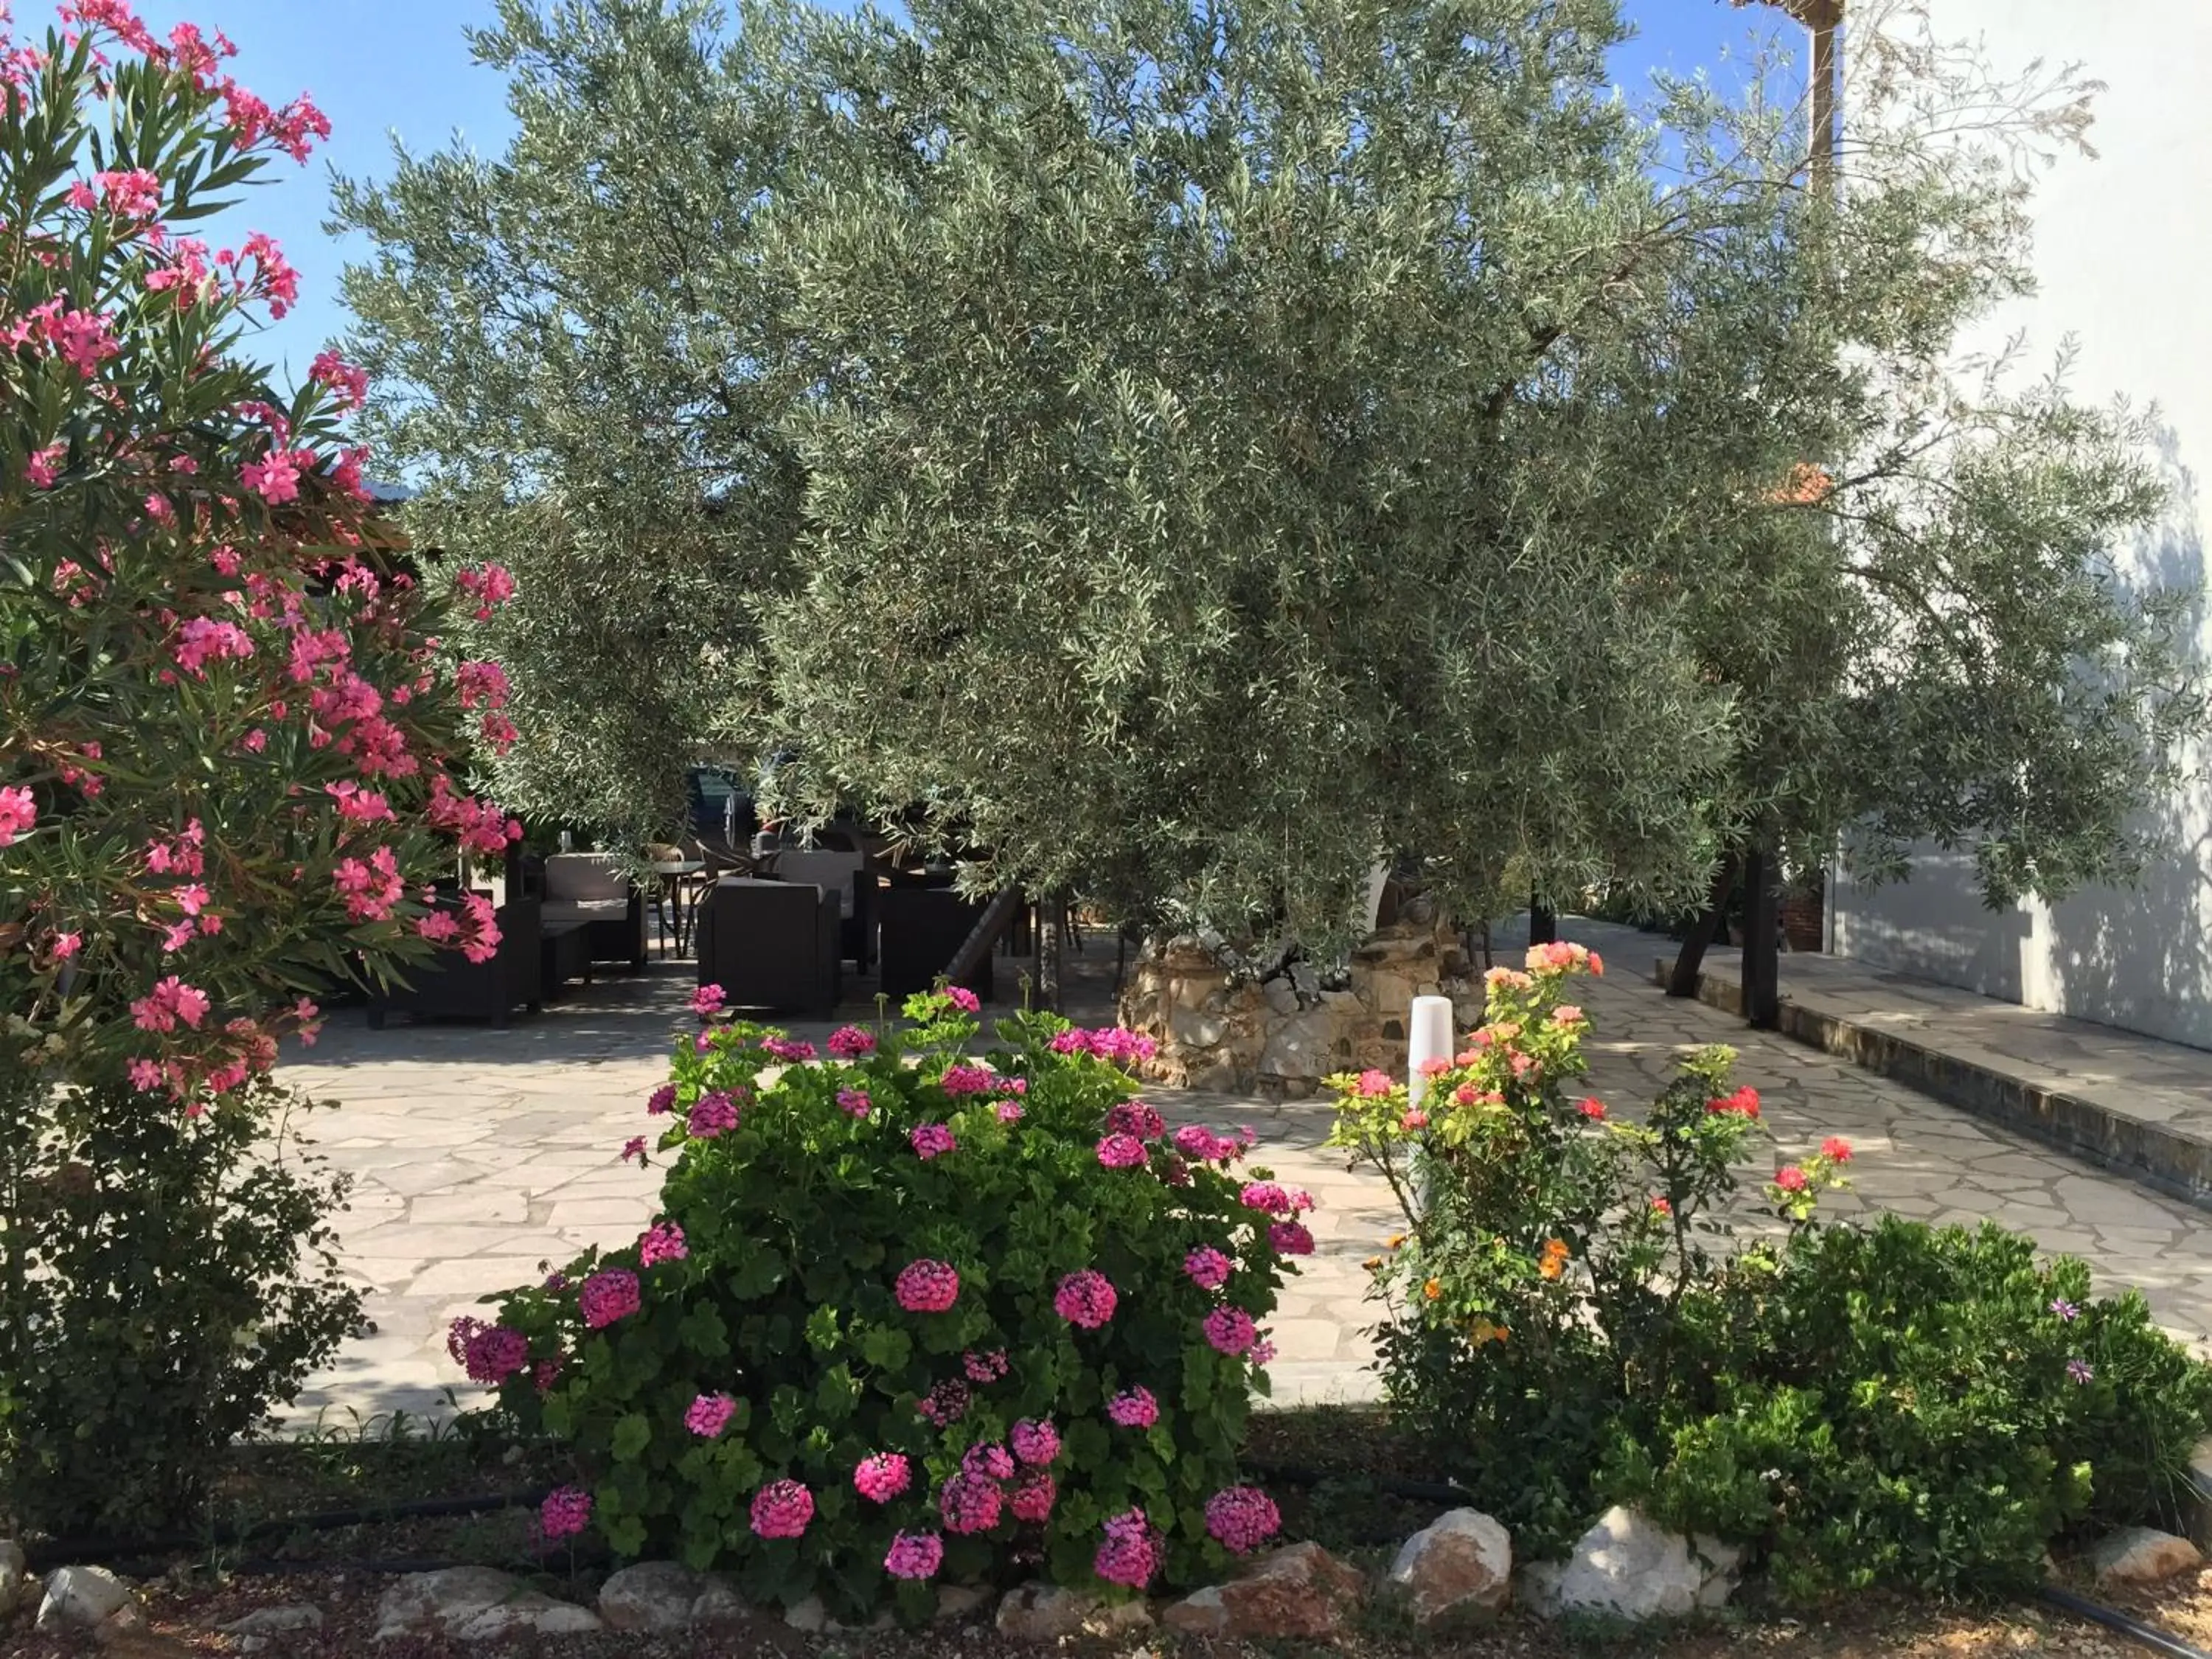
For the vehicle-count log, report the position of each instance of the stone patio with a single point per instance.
(481, 1155)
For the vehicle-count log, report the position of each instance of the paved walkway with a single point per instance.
(2133, 1103)
(480, 1154)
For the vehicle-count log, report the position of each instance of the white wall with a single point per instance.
(2124, 256)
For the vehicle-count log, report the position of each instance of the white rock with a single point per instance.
(1460, 1566)
(666, 1595)
(263, 1620)
(128, 1623)
(1051, 1612)
(2141, 1555)
(1629, 1567)
(12, 1570)
(472, 1604)
(81, 1597)
(543, 1616)
(961, 1601)
(813, 1618)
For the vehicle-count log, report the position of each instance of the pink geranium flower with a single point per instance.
(1132, 1554)
(709, 1414)
(882, 1477)
(1243, 1518)
(914, 1555)
(1208, 1268)
(1121, 1151)
(1135, 1408)
(1085, 1298)
(927, 1286)
(607, 1295)
(782, 1508)
(1230, 1331)
(851, 1043)
(565, 1512)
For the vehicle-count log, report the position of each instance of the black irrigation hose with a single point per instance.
(272, 1566)
(56, 1552)
(2150, 1636)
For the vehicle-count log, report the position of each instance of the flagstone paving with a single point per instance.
(480, 1156)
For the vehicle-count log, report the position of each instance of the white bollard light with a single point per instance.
(1428, 1036)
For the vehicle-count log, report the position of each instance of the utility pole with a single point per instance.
(1822, 18)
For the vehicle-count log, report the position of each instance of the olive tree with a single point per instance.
(1198, 450)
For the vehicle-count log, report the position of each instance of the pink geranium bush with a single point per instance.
(230, 765)
(923, 1342)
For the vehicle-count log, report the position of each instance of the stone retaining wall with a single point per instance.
(1216, 1029)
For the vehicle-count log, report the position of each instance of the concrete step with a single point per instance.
(2139, 1132)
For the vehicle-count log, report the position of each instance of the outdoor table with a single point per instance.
(673, 874)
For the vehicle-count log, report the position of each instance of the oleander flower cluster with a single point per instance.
(236, 743)
(929, 1299)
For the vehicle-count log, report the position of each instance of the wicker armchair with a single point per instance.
(451, 986)
(771, 944)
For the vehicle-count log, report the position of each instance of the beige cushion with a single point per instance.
(555, 910)
(586, 877)
(835, 870)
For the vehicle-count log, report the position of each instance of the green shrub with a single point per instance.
(1558, 1286)
(903, 1252)
(1572, 1324)
(176, 1278)
(1930, 1409)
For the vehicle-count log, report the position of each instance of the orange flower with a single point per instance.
(1433, 1289)
(1555, 1257)
(1396, 1241)
(1373, 1264)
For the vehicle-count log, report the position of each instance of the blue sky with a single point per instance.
(401, 66)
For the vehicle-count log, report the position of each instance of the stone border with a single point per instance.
(2168, 1162)
(2198, 1500)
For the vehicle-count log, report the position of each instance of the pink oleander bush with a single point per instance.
(230, 767)
(913, 1337)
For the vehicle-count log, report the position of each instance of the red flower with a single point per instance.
(1836, 1150)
